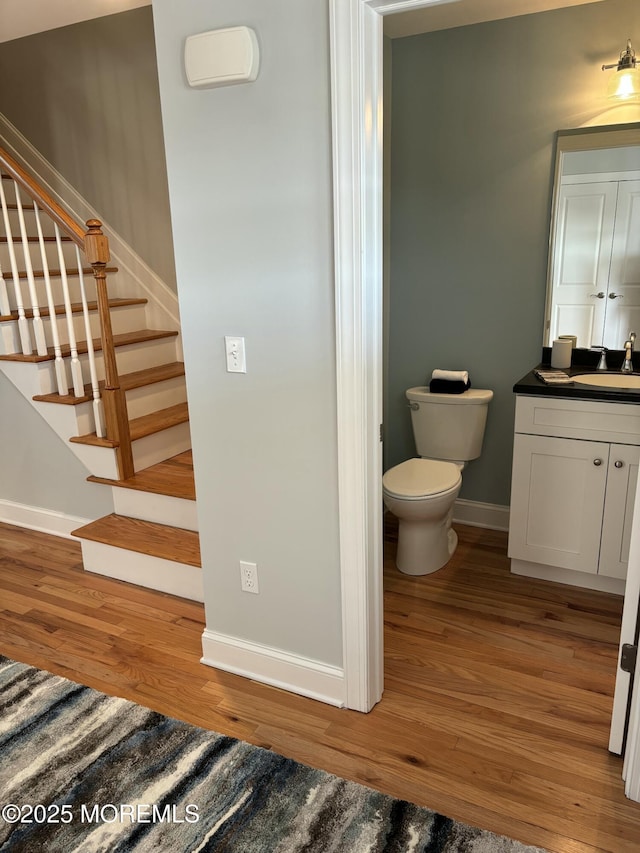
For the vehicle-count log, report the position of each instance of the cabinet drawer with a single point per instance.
(590, 420)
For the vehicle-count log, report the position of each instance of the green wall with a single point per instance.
(474, 111)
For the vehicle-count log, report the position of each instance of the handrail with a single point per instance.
(47, 203)
(95, 247)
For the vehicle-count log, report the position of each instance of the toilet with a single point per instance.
(448, 430)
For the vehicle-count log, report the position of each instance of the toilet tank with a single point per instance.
(449, 426)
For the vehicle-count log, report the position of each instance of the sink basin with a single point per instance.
(623, 381)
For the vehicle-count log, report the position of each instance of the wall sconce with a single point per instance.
(624, 84)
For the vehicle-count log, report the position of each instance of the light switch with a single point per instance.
(234, 348)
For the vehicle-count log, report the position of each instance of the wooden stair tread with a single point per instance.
(128, 381)
(76, 308)
(13, 206)
(173, 477)
(157, 421)
(144, 537)
(124, 339)
(143, 426)
(57, 273)
(63, 239)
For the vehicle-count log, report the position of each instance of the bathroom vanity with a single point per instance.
(577, 447)
(575, 469)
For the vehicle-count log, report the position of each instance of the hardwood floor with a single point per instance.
(498, 689)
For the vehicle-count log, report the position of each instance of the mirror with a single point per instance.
(593, 279)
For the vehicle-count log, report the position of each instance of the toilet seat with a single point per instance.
(419, 478)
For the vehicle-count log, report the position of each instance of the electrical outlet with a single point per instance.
(249, 577)
(236, 359)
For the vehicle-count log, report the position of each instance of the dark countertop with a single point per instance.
(583, 361)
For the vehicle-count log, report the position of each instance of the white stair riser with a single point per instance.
(162, 445)
(40, 378)
(130, 358)
(67, 421)
(57, 290)
(30, 223)
(51, 253)
(149, 354)
(126, 319)
(30, 379)
(46, 222)
(9, 338)
(161, 509)
(99, 461)
(142, 569)
(78, 419)
(152, 398)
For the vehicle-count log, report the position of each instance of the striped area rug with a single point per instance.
(81, 771)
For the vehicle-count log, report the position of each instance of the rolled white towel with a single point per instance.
(451, 375)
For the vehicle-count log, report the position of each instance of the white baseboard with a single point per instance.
(479, 514)
(568, 576)
(38, 518)
(275, 667)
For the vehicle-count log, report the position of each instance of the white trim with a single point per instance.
(479, 514)
(631, 767)
(356, 107)
(356, 64)
(41, 519)
(623, 689)
(158, 293)
(272, 666)
(599, 177)
(391, 7)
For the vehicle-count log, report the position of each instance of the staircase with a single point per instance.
(76, 341)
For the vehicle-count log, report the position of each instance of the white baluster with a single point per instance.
(23, 325)
(5, 305)
(98, 412)
(38, 327)
(76, 368)
(61, 371)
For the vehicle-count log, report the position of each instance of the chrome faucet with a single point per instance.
(602, 364)
(627, 364)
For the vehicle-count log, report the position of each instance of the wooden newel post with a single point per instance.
(96, 247)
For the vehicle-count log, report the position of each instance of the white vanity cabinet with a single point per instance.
(575, 469)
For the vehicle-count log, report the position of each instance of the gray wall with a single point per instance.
(38, 469)
(85, 96)
(472, 147)
(250, 186)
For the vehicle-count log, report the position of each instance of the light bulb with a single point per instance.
(625, 85)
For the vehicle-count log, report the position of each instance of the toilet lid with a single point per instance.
(417, 478)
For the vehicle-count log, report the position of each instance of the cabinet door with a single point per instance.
(557, 501)
(622, 478)
(623, 297)
(581, 258)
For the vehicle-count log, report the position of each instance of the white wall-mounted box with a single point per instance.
(222, 57)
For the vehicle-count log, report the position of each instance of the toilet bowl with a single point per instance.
(421, 494)
(448, 430)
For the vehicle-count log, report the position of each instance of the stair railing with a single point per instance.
(91, 247)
